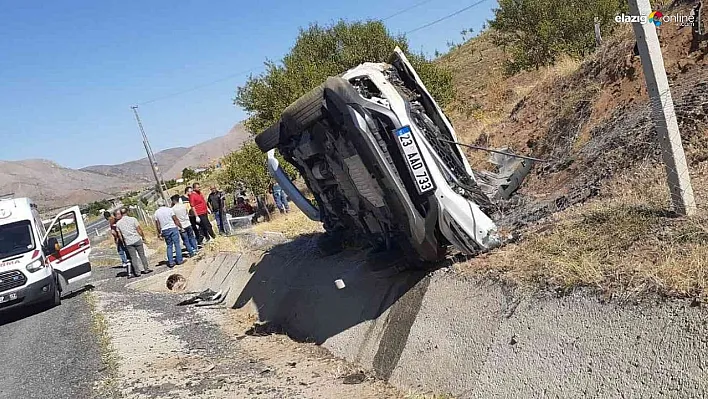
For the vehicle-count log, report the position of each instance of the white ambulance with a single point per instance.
(37, 264)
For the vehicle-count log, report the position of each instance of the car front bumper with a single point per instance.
(39, 291)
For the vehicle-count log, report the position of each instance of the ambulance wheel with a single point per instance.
(56, 299)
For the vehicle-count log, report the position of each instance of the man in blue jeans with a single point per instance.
(281, 200)
(217, 204)
(181, 209)
(169, 227)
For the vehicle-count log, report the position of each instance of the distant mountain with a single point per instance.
(139, 169)
(202, 154)
(172, 161)
(54, 186)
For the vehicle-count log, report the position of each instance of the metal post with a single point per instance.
(663, 111)
(150, 156)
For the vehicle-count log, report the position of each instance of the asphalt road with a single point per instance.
(49, 354)
(100, 225)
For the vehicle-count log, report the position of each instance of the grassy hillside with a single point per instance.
(597, 214)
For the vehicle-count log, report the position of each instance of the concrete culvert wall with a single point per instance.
(472, 339)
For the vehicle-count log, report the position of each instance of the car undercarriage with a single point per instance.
(383, 163)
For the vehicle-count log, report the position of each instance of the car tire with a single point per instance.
(269, 138)
(55, 300)
(305, 111)
(57, 297)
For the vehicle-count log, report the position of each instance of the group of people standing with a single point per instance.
(186, 221)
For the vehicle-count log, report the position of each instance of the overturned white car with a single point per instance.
(381, 158)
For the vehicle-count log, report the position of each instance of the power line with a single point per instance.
(397, 13)
(201, 86)
(446, 17)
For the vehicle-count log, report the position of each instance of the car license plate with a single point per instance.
(415, 162)
(9, 297)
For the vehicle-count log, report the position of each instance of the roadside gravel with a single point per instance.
(51, 353)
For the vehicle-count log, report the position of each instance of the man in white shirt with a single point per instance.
(181, 209)
(168, 227)
(132, 236)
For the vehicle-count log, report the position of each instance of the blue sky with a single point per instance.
(70, 70)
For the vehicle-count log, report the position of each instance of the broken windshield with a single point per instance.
(16, 238)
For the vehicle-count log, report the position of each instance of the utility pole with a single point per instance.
(150, 155)
(663, 111)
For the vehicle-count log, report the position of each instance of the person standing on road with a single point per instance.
(199, 204)
(180, 209)
(168, 227)
(217, 204)
(133, 236)
(120, 246)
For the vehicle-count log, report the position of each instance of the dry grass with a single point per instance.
(623, 244)
(107, 387)
(222, 244)
(103, 242)
(105, 261)
(292, 224)
(486, 97)
(428, 396)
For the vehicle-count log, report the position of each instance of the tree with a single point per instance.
(188, 174)
(96, 206)
(129, 201)
(537, 32)
(248, 166)
(324, 51)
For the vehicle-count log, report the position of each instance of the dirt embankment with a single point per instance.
(597, 214)
(591, 119)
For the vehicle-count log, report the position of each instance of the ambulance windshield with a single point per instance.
(16, 238)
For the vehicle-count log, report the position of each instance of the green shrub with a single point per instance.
(248, 166)
(323, 51)
(537, 32)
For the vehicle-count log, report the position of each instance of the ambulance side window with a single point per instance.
(65, 229)
(40, 226)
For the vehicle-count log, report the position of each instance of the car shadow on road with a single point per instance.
(17, 314)
(24, 312)
(293, 289)
(75, 293)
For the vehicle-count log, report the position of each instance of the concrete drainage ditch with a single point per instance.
(473, 339)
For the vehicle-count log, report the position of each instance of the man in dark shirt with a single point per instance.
(216, 202)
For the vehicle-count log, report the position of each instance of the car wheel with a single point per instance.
(305, 111)
(56, 299)
(269, 138)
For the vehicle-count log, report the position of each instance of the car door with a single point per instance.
(71, 260)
